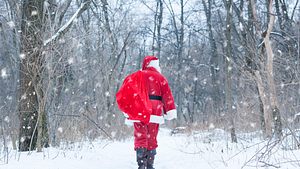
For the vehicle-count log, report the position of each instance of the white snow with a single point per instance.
(199, 150)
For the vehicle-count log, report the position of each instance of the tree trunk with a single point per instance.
(214, 61)
(280, 19)
(31, 44)
(267, 113)
(270, 77)
(228, 60)
(266, 118)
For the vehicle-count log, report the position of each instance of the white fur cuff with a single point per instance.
(171, 114)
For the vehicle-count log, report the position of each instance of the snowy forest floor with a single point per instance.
(199, 150)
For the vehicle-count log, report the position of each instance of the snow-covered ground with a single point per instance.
(203, 150)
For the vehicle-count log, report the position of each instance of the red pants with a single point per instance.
(145, 135)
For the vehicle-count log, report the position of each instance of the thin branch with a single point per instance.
(67, 26)
(97, 125)
(64, 10)
(67, 115)
(294, 10)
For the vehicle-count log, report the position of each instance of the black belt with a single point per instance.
(154, 97)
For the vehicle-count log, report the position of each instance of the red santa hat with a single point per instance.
(151, 61)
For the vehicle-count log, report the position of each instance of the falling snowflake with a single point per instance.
(6, 119)
(22, 56)
(11, 24)
(33, 13)
(71, 60)
(24, 96)
(22, 139)
(60, 129)
(113, 134)
(241, 26)
(151, 78)
(4, 73)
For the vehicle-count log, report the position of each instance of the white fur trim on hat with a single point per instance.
(155, 64)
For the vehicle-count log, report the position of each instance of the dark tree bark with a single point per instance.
(31, 62)
(228, 60)
(33, 91)
(158, 18)
(214, 61)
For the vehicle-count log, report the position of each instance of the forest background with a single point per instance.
(231, 64)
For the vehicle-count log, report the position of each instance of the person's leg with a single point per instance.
(152, 135)
(140, 135)
(141, 144)
(152, 144)
(141, 157)
(150, 158)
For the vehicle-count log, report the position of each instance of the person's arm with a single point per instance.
(170, 111)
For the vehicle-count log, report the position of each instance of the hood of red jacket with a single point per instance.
(147, 60)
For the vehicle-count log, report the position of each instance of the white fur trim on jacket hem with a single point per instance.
(157, 119)
(129, 122)
(171, 114)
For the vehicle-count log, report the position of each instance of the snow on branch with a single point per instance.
(68, 25)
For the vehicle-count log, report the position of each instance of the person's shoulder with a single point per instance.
(158, 76)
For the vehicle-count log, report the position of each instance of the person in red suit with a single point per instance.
(163, 107)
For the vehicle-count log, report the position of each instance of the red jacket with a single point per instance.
(159, 93)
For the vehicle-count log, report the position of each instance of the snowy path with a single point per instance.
(174, 152)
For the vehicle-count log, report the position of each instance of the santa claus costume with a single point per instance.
(163, 107)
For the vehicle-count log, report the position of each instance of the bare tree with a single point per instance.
(214, 60)
(228, 60)
(30, 78)
(33, 89)
(270, 75)
(158, 18)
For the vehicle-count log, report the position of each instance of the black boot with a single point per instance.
(150, 158)
(141, 157)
